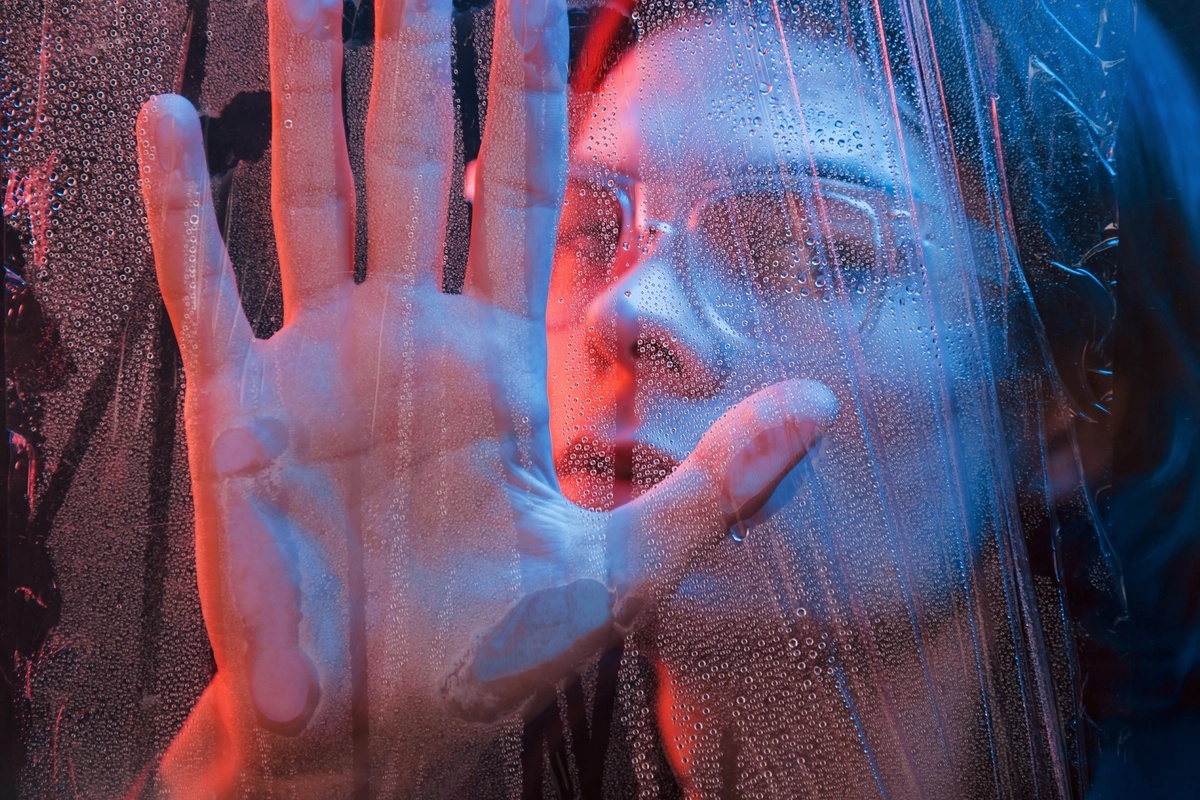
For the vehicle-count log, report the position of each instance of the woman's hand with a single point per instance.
(374, 484)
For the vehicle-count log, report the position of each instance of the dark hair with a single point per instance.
(1154, 513)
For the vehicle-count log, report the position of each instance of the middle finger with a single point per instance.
(410, 140)
(312, 187)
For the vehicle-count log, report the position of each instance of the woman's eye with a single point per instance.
(855, 260)
(590, 227)
(592, 245)
(777, 243)
(757, 236)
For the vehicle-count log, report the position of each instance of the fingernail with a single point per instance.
(284, 689)
(762, 463)
(411, 11)
(330, 12)
(303, 14)
(166, 136)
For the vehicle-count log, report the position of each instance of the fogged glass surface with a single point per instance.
(455, 523)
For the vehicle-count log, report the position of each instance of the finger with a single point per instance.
(409, 140)
(655, 540)
(523, 158)
(194, 273)
(312, 188)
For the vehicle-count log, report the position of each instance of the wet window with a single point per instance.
(595, 399)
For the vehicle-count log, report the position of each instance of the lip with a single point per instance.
(592, 453)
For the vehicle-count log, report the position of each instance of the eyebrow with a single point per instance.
(843, 171)
(837, 171)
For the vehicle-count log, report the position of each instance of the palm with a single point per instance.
(353, 427)
(374, 484)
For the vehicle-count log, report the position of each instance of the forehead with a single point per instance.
(695, 101)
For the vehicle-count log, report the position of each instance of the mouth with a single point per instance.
(633, 466)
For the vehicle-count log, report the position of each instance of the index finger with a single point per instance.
(195, 275)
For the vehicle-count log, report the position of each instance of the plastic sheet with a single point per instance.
(908, 203)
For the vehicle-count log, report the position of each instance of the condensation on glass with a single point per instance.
(908, 202)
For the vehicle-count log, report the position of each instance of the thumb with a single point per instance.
(656, 540)
(653, 543)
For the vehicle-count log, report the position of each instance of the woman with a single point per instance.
(790, 219)
(379, 480)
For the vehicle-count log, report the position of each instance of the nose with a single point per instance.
(650, 321)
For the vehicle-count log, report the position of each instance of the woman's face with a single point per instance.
(726, 227)
(741, 212)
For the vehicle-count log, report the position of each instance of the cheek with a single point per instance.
(890, 366)
(565, 304)
(580, 389)
(564, 348)
(574, 285)
(792, 337)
